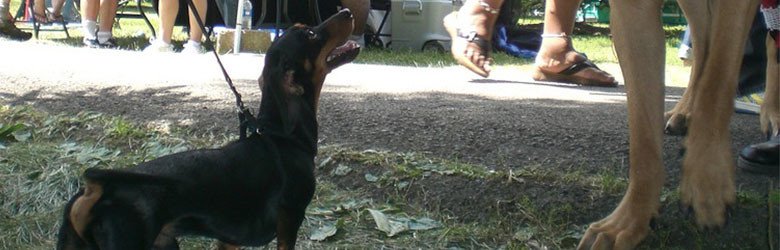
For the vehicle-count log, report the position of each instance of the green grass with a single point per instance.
(133, 34)
(41, 169)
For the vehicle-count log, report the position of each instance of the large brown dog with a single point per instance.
(719, 29)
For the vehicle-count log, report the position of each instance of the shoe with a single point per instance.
(569, 75)
(193, 48)
(10, 31)
(158, 46)
(761, 158)
(471, 39)
(95, 43)
(749, 104)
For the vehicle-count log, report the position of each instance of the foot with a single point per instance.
(761, 158)
(10, 31)
(193, 48)
(470, 30)
(625, 228)
(707, 183)
(558, 61)
(678, 118)
(95, 43)
(158, 46)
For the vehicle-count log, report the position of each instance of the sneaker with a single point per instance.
(10, 31)
(158, 46)
(749, 104)
(94, 43)
(193, 48)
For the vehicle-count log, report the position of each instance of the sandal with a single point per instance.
(569, 75)
(55, 18)
(41, 18)
(482, 43)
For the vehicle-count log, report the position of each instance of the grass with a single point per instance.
(133, 34)
(40, 169)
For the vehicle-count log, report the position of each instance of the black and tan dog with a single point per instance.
(246, 193)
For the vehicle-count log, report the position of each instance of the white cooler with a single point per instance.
(417, 24)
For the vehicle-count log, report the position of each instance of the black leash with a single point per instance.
(246, 120)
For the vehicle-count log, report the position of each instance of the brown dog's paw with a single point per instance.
(707, 185)
(676, 123)
(770, 120)
(625, 228)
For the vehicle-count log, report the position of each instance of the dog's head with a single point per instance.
(296, 65)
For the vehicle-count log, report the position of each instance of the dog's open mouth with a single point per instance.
(343, 54)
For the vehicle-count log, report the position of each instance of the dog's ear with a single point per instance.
(278, 83)
(81, 210)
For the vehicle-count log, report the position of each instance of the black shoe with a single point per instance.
(94, 43)
(761, 158)
(10, 31)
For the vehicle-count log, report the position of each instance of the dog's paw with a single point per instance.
(676, 123)
(625, 228)
(770, 120)
(707, 186)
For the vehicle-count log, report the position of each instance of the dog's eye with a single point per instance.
(311, 35)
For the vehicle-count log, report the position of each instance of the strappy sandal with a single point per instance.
(569, 75)
(469, 37)
(55, 18)
(41, 18)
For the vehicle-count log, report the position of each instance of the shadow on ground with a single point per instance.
(498, 134)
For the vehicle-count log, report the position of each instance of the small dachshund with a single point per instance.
(245, 193)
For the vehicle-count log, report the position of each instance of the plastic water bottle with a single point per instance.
(246, 15)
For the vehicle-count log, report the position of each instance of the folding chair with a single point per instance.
(122, 5)
(373, 38)
(25, 14)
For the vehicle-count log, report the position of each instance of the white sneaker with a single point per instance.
(158, 46)
(192, 48)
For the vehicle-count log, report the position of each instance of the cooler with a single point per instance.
(417, 24)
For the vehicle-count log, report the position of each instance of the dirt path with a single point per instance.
(503, 122)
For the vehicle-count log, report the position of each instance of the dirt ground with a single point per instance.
(505, 122)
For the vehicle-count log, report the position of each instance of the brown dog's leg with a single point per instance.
(677, 118)
(639, 42)
(770, 110)
(719, 30)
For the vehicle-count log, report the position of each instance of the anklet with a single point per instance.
(487, 7)
(554, 35)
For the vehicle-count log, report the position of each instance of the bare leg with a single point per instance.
(107, 14)
(89, 10)
(168, 11)
(557, 52)
(195, 32)
(359, 10)
(476, 17)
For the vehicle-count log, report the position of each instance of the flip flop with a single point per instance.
(468, 36)
(568, 75)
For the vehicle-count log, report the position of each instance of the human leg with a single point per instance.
(89, 15)
(7, 27)
(193, 45)
(359, 10)
(557, 60)
(107, 14)
(471, 29)
(167, 10)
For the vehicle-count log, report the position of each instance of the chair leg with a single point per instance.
(31, 10)
(146, 20)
